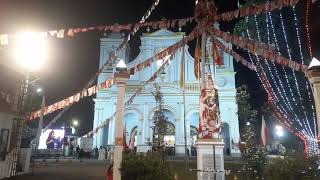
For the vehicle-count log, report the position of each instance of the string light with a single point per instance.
(294, 74)
(308, 10)
(302, 61)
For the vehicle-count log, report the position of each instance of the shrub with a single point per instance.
(150, 166)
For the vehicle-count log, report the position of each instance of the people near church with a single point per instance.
(77, 151)
(95, 152)
(102, 153)
(50, 140)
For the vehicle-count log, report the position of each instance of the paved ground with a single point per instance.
(66, 170)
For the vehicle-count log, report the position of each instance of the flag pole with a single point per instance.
(184, 112)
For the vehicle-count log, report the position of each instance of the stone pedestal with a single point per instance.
(210, 159)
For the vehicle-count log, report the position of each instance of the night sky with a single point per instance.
(72, 61)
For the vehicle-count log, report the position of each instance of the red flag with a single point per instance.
(197, 60)
(264, 133)
(215, 54)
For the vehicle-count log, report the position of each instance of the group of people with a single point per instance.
(102, 153)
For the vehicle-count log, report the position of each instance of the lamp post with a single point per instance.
(313, 74)
(40, 91)
(121, 76)
(30, 53)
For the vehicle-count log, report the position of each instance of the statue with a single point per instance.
(210, 123)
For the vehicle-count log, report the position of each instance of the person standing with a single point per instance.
(77, 151)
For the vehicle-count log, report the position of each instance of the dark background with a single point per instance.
(72, 61)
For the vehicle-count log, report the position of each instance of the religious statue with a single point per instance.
(210, 124)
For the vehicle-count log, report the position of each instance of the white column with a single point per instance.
(314, 78)
(121, 79)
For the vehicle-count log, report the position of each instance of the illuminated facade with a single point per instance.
(138, 116)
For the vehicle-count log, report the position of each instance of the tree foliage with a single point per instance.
(160, 124)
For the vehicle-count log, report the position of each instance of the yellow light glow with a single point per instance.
(30, 50)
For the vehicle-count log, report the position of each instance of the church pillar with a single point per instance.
(121, 79)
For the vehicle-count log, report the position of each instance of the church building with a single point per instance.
(138, 115)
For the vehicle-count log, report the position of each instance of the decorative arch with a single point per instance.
(167, 107)
(134, 110)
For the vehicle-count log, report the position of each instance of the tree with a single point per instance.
(254, 156)
(159, 121)
(245, 111)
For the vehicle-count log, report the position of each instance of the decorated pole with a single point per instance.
(120, 77)
(203, 60)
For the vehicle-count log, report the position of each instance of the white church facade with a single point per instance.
(138, 116)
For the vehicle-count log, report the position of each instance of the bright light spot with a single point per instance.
(279, 131)
(30, 50)
(75, 122)
(121, 64)
(39, 90)
(73, 130)
(248, 123)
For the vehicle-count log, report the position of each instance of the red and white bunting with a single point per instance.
(235, 55)
(108, 83)
(255, 9)
(262, 49)
(71, 32)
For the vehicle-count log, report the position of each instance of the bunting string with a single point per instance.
(259, 48)
(112, 56)
(72, 32)
(108, 83)
(235, 55)
(171, 55)
(255, 9)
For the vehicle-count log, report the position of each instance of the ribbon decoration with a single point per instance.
(108, 83)
(181, 44)
(259, 48)
(71, 32)
(255, 9)
(235, 55)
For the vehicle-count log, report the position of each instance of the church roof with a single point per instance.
(162, 33)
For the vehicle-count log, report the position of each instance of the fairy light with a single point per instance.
(302, 61)
(294, 74)
(258, 32)
(285, 73)
(308, 10)
(287, 80)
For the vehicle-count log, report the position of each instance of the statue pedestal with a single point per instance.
(210, 159)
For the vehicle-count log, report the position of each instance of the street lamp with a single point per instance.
(30, 50)
(30, 53)
(121, 66)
